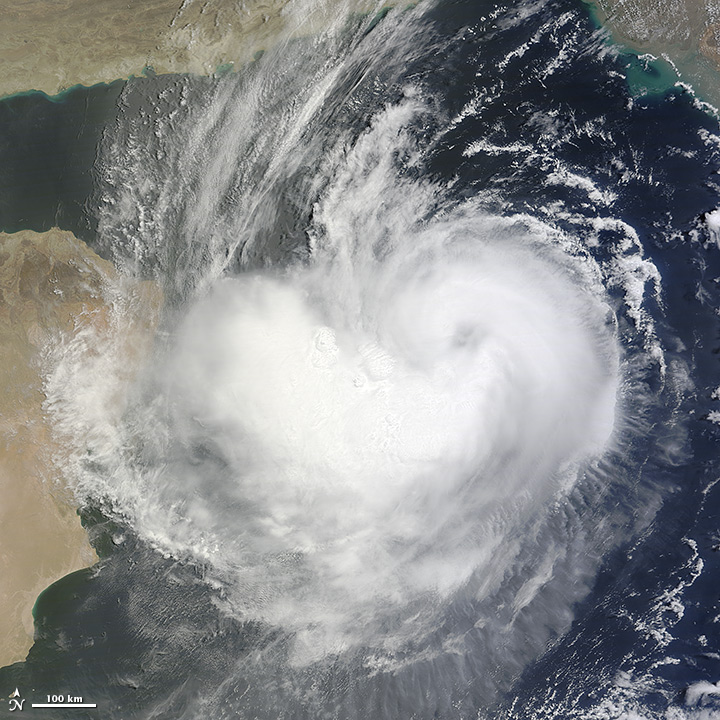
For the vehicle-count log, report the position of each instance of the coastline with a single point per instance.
(52, 286)
(684, 40)
(109, 40)
(41, 537)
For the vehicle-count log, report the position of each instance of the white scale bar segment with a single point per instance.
(64, 705)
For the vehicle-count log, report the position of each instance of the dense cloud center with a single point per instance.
(358, 454)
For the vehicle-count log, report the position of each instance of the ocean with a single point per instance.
(429, 428)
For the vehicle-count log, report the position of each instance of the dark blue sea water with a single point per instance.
(48, 148)
(598, 596)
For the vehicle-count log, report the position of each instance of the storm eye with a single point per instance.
(206, 452)
(466, 336)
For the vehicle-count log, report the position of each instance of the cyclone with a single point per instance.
(368, 429)
(415, 385)
(352, 439)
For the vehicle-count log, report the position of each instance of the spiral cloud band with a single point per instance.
(352, 442)
(358, 436)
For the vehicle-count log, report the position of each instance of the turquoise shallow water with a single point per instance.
(654, 67)
(647, 75)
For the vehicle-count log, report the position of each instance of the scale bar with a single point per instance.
(64, 705)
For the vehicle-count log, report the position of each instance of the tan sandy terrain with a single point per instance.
(50, 45)
(669, 24)
(51, 286)
(686, 31)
